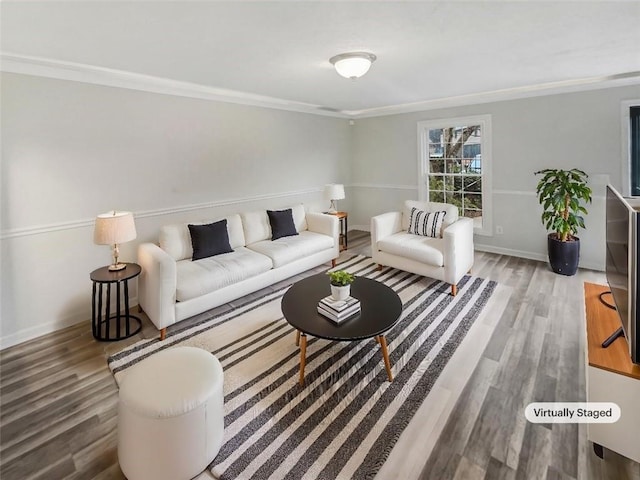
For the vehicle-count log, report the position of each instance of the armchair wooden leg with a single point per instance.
(333, 263)
(163, 333)
(379, 267)
(454, 290)
(140, 309)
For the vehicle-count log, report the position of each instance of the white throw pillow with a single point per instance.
(427, 224)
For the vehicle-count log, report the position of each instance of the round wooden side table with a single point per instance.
(101, 324)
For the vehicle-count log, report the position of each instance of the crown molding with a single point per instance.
(553, 88)
(78, 72)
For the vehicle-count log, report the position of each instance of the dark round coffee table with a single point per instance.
(380, 310)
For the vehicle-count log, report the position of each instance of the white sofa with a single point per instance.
(172, 287)
(447, 259)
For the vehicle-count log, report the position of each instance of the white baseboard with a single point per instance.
(39, 330)
(529, 255)
(31, 333)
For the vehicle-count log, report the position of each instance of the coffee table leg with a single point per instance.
(303, 353)
(297, 337)
(385, 355)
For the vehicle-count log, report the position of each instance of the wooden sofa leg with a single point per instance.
(140, 309)
(163, 333)
(379, 267)
(333, 263)
(454, 290)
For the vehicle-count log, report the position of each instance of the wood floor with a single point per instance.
(58, 399)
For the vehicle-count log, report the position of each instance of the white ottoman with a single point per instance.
(170, 415)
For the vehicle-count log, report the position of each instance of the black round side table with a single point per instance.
(101, 325)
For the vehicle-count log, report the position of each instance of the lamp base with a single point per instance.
(117, 267)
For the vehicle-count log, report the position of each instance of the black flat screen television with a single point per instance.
(623, 250)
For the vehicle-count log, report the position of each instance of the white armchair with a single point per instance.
(447, 258)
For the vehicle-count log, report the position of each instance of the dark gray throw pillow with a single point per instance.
(209, 240)
(281, 223)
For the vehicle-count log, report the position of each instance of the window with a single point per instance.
(630, 129)
(454, 166)
(634, 149)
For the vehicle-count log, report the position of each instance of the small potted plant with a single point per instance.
(561, 193)
(341, 284)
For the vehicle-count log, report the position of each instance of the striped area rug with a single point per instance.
(346, 419)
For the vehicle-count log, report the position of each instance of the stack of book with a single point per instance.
(338, 311)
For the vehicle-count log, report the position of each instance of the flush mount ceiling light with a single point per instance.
(352, 65)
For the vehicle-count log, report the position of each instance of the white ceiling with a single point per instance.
(426, 50)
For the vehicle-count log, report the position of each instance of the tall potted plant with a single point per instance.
(562, 194)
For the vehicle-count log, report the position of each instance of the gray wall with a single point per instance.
(73, 150)
(558, 131)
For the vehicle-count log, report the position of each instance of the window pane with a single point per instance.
(453, 165)
(449, 182)
(448, 134)
(457, 184)
(455, 198)
(435, 135)
(474, 134)
(436, 166)
(436, 150)
(436, 183)
(472, 213)
(470, 151)
(473, 201)
(472, 184)
(436, 197)
(452, 150)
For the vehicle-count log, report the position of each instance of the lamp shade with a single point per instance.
(352, 65)
(114, 227)
(334, 191)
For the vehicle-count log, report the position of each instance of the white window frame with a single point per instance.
(423, 162)
(625, 129)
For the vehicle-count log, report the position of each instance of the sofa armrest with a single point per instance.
(323, 223)
(384, 225)
(157, 285)
(458, 249)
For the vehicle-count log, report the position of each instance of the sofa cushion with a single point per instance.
(204, 276)
(281, 222)
(452, 212)
(427, 224)
(176, 240)
(257, 228)
(421, 249)
(289, 249)
(209, 240)
(299, 217)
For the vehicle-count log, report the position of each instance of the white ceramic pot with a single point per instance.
(340, 293)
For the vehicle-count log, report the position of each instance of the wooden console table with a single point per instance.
(344, 226)
(611, 377)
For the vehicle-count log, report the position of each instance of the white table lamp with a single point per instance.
(333, 192)
(113, 228)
